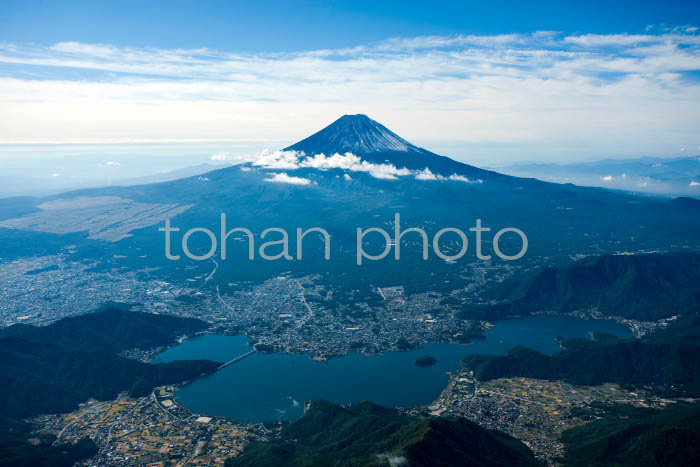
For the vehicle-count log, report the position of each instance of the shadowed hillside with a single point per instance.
(632, 437)
(113, 328)
(368, 435)
(642, 287)
(54, 368)
(667, 361)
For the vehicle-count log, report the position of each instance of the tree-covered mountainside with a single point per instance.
(41, 377)
(667, 361)
(365, 434)
(630, 437)
(112, 328)
(54, 368)
(642, 287)
(17, 451)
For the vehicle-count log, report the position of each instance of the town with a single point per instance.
(152, 430)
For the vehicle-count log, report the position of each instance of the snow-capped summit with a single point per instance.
(375, 143)
(357, 134)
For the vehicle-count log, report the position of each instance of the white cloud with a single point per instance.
(278, 159)
(226, 156)
(397, 461)
(462, 178)
(600, 40)
(221, 156)
(347, 161)
(394, 460)
(608, 178)
(385, 171)
(515, 88)
(426, 174)
(109, 164)
(693, 183)
(284, 178)
(291, 160)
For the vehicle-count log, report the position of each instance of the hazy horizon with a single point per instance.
(451, 80)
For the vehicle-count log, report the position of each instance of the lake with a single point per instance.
(269, 387)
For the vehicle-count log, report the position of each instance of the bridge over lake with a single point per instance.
(237, 359)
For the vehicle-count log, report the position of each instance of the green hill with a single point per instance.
(668, 361)
(16, 451)
(112, 328)
(643, 287)
(54, 368)
(40, 377)
(629, 437)
(365, 434)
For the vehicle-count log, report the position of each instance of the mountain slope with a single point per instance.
(629, 437)
(111, 329)
(16, 451)
(368, 435)
(358, 134)
(40, 377)
(373, 142)
(559, 220)
(642, 287)
(54, 368)
(672, 176)
(667, 361)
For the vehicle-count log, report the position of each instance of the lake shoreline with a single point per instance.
(272, 386)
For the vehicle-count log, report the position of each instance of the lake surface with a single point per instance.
(268, 387)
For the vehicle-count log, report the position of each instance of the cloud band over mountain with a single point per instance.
(290, 160)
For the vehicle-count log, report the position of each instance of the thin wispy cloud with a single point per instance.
(608, 90)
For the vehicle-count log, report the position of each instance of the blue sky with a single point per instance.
(482, 82)
(275, 26)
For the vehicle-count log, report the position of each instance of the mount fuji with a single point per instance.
(353, 173)
(358, 134)
(375, 143)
